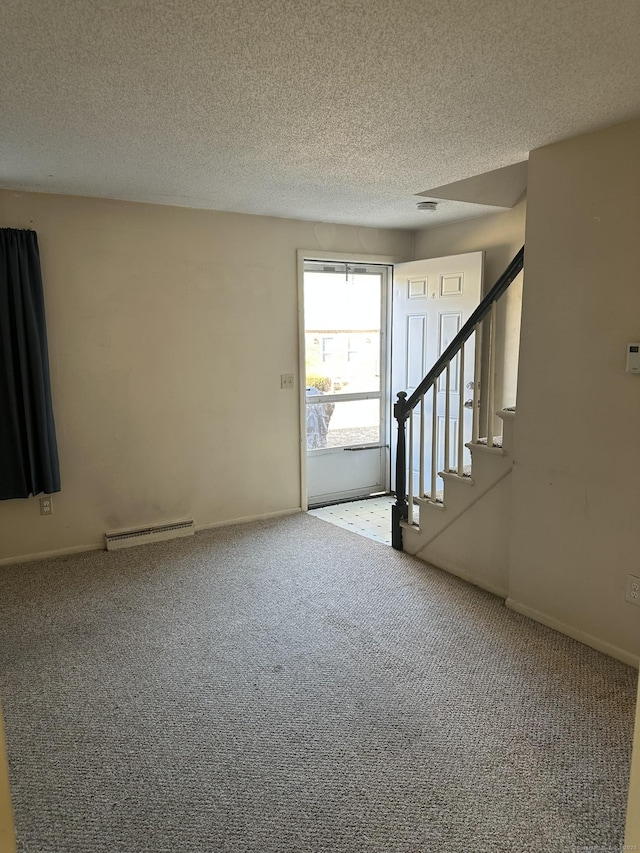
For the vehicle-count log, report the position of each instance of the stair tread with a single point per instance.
(439, 497)
(466, 471)
(497, 441)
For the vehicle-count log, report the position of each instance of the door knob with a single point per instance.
(468, 404)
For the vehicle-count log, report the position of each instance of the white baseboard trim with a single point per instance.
(452, 569)
(44, 555)
(574, 633)
(79, 549)
(245, 519)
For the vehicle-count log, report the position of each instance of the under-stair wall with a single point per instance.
(466, 532)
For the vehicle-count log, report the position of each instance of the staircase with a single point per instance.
(461, 523)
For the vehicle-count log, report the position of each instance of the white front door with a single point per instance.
(432, 299)
(346, 393)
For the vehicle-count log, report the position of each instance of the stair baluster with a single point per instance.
(422, 439)
(447, 417)
(477, 366)
(460, 464)
(492, 374)
(410, 471)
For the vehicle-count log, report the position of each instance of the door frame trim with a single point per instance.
(344, 258)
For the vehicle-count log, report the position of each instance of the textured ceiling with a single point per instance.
(335, 110)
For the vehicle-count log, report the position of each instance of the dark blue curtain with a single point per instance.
(28, 452)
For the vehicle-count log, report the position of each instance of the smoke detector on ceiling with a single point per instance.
(429, 206)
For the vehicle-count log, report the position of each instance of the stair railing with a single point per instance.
(483, 319)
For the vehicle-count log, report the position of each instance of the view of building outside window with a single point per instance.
(342, 341)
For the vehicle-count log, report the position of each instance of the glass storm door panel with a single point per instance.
(346, 397)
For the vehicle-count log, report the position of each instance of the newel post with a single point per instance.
(399, 510)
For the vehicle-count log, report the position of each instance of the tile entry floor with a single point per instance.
(370, 517)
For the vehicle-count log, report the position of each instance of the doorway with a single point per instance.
(345, 343)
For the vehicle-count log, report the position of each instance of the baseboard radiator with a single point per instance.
(143, 535)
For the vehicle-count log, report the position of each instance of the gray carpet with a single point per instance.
(290, 686)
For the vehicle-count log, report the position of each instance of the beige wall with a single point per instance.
(168, 331)
(575, 530)
(500, 236)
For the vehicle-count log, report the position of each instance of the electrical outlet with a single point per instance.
(286, 380)
(46, 505)
(633, 590)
